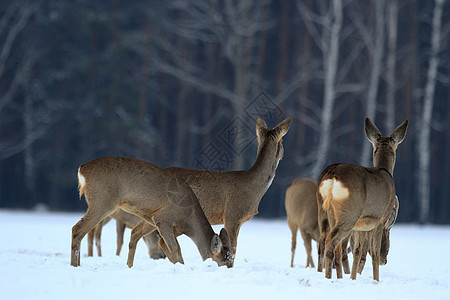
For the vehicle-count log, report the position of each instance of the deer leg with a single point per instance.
(338, 260)
(142, 228)
(120, 230)
(91, 235)
(152, 241)
(357, 251)
(294, 229)
(375, 245)
(339, 232)
(233, 231)
(307, 243)
(364, 250)
(81, 228)
(174, 251)
(163, 246)
(324, 226)
(345, 262)
(98, 237)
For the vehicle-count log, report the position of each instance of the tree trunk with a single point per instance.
(374, 80)
(391, 65)
(331, 61)
(427, 113)
(113, 135)
(240, 90)
(283, 45)
(29, 163)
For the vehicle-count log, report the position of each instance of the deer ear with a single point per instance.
(261, 128)
(260, 123)
(216, 245)
(283, 128)
(372, 132)
(399, 133)
(224, 238)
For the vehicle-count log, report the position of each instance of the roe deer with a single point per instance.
(361, 199)
(232, 198)
(123, 220)
(301, 210)
(156, 196)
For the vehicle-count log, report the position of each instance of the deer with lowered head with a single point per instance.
(361, 200)
(231, 198)
(123, 220)
(301, 210)
(159, 197)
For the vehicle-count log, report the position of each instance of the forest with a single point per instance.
(182, 82)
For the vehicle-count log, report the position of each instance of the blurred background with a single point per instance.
(181, 83)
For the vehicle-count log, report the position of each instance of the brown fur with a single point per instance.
(231, 198)
(301, 210)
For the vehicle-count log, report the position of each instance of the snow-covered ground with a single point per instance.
(35, 256)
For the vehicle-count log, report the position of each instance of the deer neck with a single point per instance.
(201, 233)
(266, 163)
(384, 158)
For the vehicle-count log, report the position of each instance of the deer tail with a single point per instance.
(81, 183)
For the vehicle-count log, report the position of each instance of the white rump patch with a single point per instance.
(325, 187)
(81, 179)
(337, 189)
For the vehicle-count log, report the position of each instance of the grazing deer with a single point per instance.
(301, 210)
(123, 220)
(157, 196)
(361, 200)
(231, 198)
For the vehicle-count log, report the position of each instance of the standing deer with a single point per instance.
(123, 220)
(231, 198)
(157, 196)
(361, 200)
(301, 210)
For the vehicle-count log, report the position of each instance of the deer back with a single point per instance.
(136, 186)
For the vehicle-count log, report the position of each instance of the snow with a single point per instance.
(35, 256)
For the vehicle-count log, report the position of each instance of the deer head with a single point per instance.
(274, 135)
(384, 148)
(220, 248)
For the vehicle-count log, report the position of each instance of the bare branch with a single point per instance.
(25, 14)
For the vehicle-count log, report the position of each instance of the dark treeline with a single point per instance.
(182, 83)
